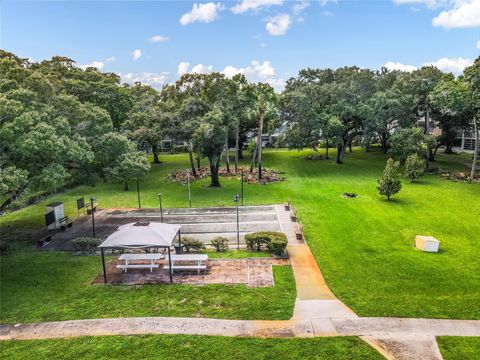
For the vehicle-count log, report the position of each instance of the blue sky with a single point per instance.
(268, 40)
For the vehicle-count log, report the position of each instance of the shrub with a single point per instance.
(192, 244)
(414, 167)
(220, 243)
(86, 244)
(275, 242)
(278, 243)
(390, 183)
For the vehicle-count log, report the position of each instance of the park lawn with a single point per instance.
(363, 246)
(459, 348)
(188, 347)
(56, 286)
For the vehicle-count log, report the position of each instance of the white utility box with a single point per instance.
(426, 243)
(58, 212)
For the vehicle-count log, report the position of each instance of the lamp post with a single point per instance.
(92, 200)
(138, 194)
(242, 186)
(236, 199)
(161, 207)
(189, 191)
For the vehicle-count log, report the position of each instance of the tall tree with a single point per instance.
(472, 77)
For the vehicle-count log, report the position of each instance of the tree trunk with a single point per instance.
(427, 117)
(259, 143)
(214, 164)
(237, 136)
(350, 145)
(198, 161)
(383, 141)
(192, 163)
(126, 186)
(340, 153)
(475, 149)
(253, 158)
(227, 155)
(367, 146)
(156, 160)
(326, 150)
(240, 149)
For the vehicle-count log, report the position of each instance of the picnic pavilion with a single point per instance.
(142, 235)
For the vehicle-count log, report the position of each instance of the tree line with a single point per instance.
(62, 125)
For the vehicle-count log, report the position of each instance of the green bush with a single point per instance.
(390, 183)
(276, 242)
(86, 244)
(220, 243)
(192, 244)
(414, 167)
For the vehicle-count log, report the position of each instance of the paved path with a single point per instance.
(317, 312)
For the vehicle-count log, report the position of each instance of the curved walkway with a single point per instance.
(317, 312)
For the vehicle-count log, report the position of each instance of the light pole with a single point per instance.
(161, 207)
(138, 194)
(189, 193)
(92, 209)
(236, 199)
(242, 186)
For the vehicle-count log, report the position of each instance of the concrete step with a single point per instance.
(192, 211)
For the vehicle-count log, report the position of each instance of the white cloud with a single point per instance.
(111, 58)
(156, 80)
(399, 66)
(231, 71)
(254, 5)
(478, 44)
(327, 13)
(453, 65)
(428, 3)
(465, 14)
(137, 53)
(201, 69)
(300, 6)
(278, 25)
(264, 70)
(96, 64)
(201, 13)
(158, 38)
(183, 68)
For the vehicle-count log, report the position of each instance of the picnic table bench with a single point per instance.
(129, 258)
(197, 259)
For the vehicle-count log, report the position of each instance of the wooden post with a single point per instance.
(138, 194)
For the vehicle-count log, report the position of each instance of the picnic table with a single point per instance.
(198, 260)
(129, 258)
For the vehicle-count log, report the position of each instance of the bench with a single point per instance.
(293, 216)
(198, 258)
(138, 266)
(299, 232)
(65, 222)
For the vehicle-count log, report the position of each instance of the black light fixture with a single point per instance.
(236, 199)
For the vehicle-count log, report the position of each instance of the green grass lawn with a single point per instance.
(188, 347)
(459, 348)
(56, 286)
(363, 245)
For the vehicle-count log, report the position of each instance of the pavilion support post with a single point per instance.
(170, 264)
(104, 267)
(179, 238)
